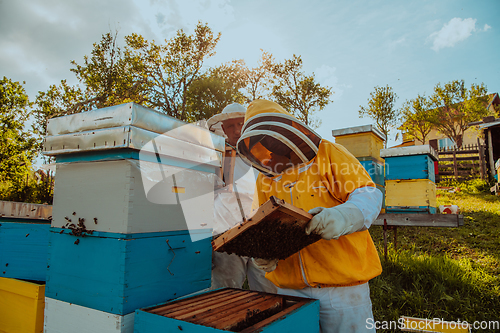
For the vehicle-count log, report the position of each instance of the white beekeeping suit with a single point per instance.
(231, 204)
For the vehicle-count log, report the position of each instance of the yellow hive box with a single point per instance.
(21, 306)
(361, 141)
(410, 193)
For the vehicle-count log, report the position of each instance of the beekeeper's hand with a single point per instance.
(331, 223)
(267, 265)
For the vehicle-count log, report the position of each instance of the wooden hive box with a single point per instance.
(24, 240)
(413, 162)
(21, 306)
(410, 196)
(119, 273)
(361, 141)
(111, 196)
(232, 310)
(64, 317)
(274, 231)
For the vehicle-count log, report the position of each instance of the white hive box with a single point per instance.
(111, 196)
(129, 169)
(63, 317)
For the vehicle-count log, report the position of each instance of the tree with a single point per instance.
(17, 145)
(109, 77)
(259, 78)
(173, 67)
(214, 90)
(298, 93)
(455, 107)
(381, 109)
(57, 101)
(417, 118)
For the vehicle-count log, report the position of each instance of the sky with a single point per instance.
(351, 46)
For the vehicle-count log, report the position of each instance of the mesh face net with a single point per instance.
(275, 142)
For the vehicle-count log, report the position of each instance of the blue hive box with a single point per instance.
(119, 273)
(413, 162)
(24, 240)
(231, 310)
(375, 169)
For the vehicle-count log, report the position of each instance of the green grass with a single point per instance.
(448, 273)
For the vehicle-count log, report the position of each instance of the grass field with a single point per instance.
(447, 273)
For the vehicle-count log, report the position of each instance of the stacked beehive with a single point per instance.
(497, 167)
(410, 179)
(133, 206)
(365, 143)
(24, 238)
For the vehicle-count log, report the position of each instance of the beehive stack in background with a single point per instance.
(410, 179)
(24, 238)
(365, 143)
(497, 167)
(133, 204)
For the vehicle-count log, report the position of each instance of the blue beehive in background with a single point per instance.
(375, 169)
(24, 240)
(410, 179)
(412, 162)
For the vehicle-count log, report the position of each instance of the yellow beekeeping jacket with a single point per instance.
(324, 182)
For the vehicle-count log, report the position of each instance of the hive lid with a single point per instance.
(133, 138)
(359, 129)
(276, 230)
(131, 114)
(410, 150)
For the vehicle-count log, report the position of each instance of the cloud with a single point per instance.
(486, 27)
(172, 15)
(453, 32)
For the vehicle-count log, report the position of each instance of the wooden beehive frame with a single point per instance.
(230, 309)
(274, 231)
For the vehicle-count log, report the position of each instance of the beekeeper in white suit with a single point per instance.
(231, 204)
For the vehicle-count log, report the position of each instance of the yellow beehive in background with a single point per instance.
(412, 196)
(361, 141)
(21, 306)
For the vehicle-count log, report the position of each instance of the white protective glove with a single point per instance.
(331, 223)
(267, 265)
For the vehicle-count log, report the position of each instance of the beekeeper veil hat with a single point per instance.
(234, 110)
(273, 140)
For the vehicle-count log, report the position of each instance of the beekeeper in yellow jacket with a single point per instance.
(298, 166)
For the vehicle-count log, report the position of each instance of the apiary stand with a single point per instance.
(393, 221)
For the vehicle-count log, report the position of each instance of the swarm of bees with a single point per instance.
(78, 229)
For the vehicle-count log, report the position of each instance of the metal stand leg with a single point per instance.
(385, 239)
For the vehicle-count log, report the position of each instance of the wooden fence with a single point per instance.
(467, 162)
